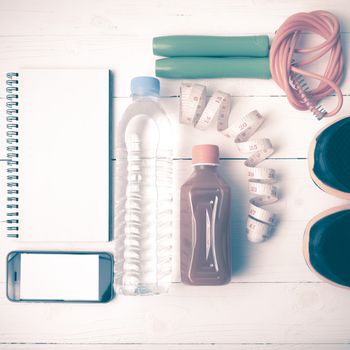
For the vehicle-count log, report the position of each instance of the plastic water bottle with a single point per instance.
(143, 193)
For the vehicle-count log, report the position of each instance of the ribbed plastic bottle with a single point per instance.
(143, 194)
(205, 222)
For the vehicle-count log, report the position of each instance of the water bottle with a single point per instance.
(143, 193)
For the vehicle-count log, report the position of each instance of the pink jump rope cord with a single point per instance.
(286, 72)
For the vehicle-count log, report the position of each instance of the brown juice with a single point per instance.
(204, 222)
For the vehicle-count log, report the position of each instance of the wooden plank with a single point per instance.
(127, 56)
(3, 202)
(279, 259)
(175, 346)
(236, 313)
(3, 129)
(134, 18)
(290, 131)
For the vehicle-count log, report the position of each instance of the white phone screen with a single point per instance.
(59, 276)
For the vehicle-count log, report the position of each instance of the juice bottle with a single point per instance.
(205, 222)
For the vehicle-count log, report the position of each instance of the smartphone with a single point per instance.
(59, 276)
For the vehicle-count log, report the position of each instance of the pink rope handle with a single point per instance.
(284, 46)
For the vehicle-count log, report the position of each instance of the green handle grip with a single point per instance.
(213, 46)
(213, 67)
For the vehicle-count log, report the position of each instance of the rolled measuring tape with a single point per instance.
(199, 112)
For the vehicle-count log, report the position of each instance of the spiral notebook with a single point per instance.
(58, 149)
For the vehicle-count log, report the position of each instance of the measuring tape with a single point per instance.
(195, 110)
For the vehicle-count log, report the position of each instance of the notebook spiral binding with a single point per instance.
(12, 154)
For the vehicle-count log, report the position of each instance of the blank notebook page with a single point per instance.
(64, 155)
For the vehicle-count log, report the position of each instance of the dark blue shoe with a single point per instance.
(327, 236)
(327, 245)
(329, 159)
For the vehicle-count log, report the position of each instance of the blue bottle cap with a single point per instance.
(145, 86)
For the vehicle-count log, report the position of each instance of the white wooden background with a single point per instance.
(274, 301)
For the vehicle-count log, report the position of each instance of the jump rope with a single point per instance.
(289, 72)
(287, 63)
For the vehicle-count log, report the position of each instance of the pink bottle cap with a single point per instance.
(205, 154)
